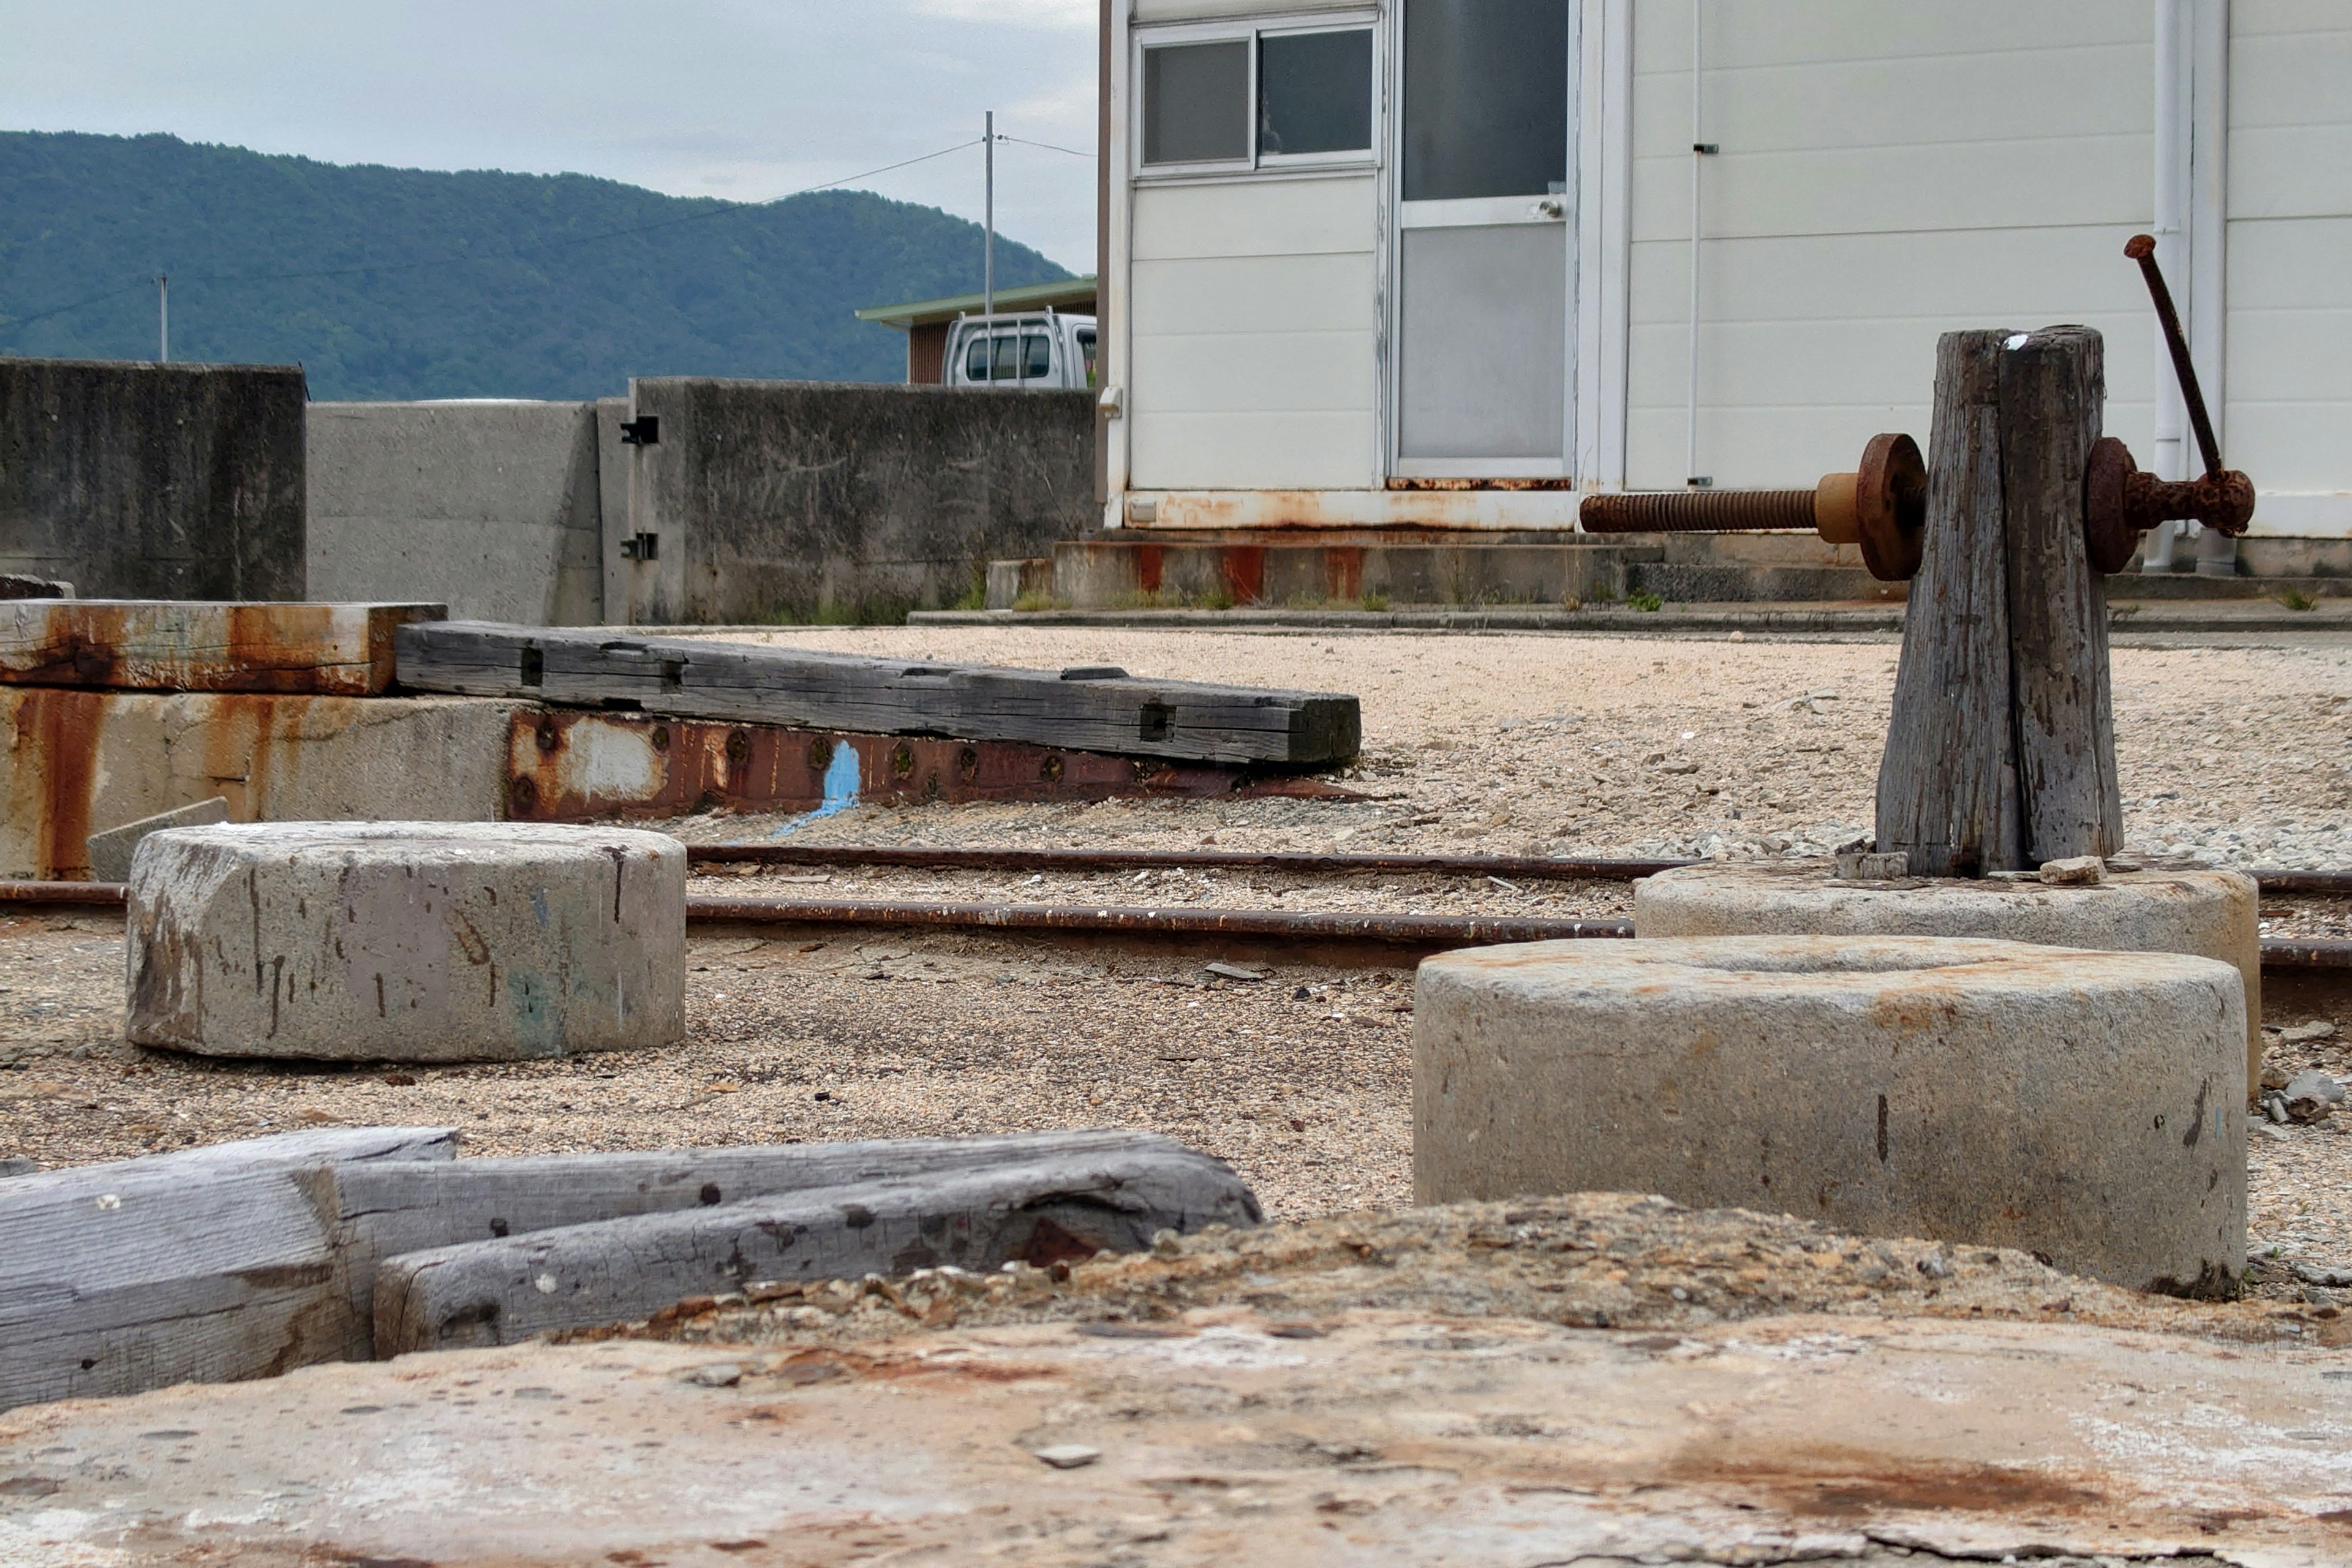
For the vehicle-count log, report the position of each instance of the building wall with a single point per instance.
(2286, 416)
(927, 354)
(1890, 170)
(489, 507)
(154, 481)
(1254, 334)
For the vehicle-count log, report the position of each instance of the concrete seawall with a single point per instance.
(154, 481)
(493, 505)
(798, 498)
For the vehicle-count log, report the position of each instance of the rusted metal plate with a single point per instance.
(167, 644)
(1486, 505)
(570, 766)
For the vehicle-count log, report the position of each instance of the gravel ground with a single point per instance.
(1481, 744)
(1534, 744)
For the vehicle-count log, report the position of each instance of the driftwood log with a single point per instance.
(1089, 710)
(2000, 752)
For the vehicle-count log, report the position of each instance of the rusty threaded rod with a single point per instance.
(1698, 512)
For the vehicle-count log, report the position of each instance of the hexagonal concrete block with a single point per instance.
(2213, 914)
(2086, 1106)
(406, 940)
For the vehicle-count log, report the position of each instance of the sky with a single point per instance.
(743, 100)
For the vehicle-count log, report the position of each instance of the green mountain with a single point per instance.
(406, 283)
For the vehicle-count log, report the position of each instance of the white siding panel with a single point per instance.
(1263, 373)
(1254, 451)
(1254, 329)
(2288, 415)
(1891, 170)
(1256, 294)
(1254, 217)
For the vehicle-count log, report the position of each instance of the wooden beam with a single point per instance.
(164, 645)
(204, 1265)
(1081, 710)
(1045, 1209)
(2052, 398)
(1947, 783)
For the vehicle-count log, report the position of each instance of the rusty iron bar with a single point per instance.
(1696, 512)
(1278, 925)
(2141, 248)
(1532, 868)
(1434, 932)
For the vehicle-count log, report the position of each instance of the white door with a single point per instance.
(1483, 239)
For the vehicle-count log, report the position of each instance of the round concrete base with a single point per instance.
(2212, 914)
(2088, 1106)
(406, 940)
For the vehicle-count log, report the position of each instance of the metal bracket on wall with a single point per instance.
(641, 547)
(643, 431)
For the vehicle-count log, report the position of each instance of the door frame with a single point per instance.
(1400, 472)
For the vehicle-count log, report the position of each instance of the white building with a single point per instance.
(1430, 261)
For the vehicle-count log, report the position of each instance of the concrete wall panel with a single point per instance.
(154, 481)
(490, 506)
(790, 499)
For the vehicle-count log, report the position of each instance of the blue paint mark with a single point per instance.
(539, 904)
(840, 790)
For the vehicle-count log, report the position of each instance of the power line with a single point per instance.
(1049, 147)
(721, 210)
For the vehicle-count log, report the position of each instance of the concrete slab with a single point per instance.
(110, 851)
(2088, 1108)
(72, 760)
(1358, 1438)
(2213, 914)
(406, 940)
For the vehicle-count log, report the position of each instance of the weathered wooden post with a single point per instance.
(2000, 754)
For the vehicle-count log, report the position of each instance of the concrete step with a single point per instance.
(1381, 569)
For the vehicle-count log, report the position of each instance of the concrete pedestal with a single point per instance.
(2086, 1107)
(406, 940)
(2212, 914)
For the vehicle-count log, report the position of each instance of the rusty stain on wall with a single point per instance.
(568, 766)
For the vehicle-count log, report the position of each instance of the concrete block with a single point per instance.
(1010, 582)
(154, 481)
(72, 760)
(491, 505)
(161, 644)
(2088, 1106)
(2212, 914)
(110, 851)
(204, 1265)
(406, 940)
(1055, 1205)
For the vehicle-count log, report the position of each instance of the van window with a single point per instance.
(1006, 363)
(975, 359)
(1039, 350)
(1086, 348)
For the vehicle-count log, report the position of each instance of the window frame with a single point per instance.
(1253, 32)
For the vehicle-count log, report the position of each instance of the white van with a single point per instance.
(1031, 349)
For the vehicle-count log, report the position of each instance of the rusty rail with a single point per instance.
(1533, 867)
(108, 894)
(1279, 925)
(2306, 953)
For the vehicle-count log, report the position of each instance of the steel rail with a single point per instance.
(1433, 932)
(1531, 867)
(1280, 925)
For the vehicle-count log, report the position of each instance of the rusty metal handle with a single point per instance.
(2141, 248)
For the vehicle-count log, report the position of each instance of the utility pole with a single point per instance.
(163, 317)
(988, 240)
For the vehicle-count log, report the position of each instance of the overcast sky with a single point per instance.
(745, 100)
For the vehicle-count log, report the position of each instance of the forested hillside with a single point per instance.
(397, 283)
